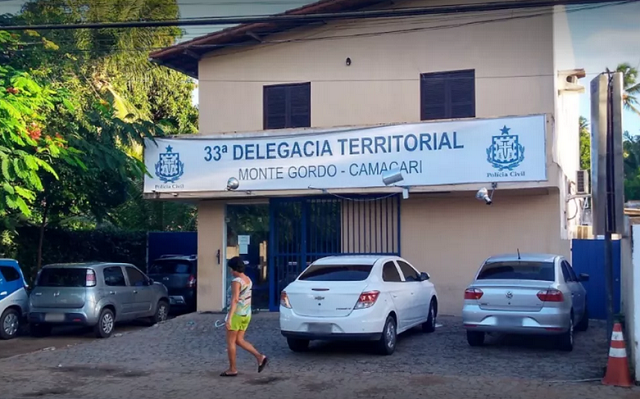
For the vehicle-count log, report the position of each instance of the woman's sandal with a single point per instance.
(263, 364)
(225, 374)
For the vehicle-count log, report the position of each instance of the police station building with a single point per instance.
(356, 136)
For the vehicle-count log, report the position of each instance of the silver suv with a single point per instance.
(96, 295)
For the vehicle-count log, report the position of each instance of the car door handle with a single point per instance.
(135, 291)
(38, 293)
(395, 296)
(3, 293)
(112, 292)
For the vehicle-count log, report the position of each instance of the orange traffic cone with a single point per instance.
(618, 365)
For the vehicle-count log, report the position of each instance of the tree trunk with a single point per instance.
(41, 238)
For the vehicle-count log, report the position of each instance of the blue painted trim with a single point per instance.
(271, 248)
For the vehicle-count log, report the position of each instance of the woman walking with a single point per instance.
(238, 318)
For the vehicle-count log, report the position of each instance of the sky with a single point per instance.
(602, 38)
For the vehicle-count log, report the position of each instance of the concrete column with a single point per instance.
(211, 232)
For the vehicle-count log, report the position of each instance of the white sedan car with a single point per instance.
(371, 298)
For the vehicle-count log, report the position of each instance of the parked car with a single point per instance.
(96, 295)
(14, 300)
(179, 274)
(526, 294)
(371, 298)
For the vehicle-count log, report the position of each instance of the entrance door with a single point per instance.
(247, 237)
(303, 230)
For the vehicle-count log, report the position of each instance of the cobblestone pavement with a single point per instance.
(184, 356)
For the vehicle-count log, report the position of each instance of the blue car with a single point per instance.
(14, 299)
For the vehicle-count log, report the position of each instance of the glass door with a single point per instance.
(247, 237)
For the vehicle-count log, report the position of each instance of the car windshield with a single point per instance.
(170, 267)
(517, 270)
(62, 277)
(336, 273)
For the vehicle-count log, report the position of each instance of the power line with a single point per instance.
(321, 17)
(525, 14)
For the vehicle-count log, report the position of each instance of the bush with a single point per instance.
(65, 246)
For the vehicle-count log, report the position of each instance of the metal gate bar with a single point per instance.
(303, 230)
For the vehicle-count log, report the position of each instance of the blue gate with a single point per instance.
(588, 257)
(171, 243)
(303, 230)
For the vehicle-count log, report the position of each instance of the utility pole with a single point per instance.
(606, 169)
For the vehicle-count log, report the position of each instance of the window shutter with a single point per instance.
(275, 107)
(462, 95)
(287, 106)
(448, 95)
(300, 105)
(433, 95)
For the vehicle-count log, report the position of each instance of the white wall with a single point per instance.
(566, 149)
(513, 60)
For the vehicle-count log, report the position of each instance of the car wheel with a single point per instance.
(584, 322)
(387, 343)
(106, 324)
(162, 313)
(298, 345)
(9, 324)
(430, 325)
(565, 341)
(40, 330)
(475, 338)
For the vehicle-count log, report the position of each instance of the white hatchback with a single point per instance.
(372, 298)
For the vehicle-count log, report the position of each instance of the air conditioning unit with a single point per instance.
(582, 182)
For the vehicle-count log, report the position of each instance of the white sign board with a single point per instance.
(472, 151)
(244, 239)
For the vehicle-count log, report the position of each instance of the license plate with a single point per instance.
(510, 321)
(320, 327)
(54, 317)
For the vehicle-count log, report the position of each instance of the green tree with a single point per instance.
(631, 153)
(28, 143)
(631, 87)
(585, 144)
(122, 97)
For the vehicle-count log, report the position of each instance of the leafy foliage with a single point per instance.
(631, 87)
(119, 98)
(28, 143)
(585, 144)
(63, 246)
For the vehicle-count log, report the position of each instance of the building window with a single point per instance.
(448, 95)
(287, 106)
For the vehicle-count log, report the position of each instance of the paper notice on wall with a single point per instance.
(244, 249)
(244, 240)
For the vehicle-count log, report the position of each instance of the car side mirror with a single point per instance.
(150, 281)
(583, 277)
(424, 276)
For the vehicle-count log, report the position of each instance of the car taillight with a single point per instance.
(473, 293)
(367, 299)
(192, 281)
(90, 280)
(284, 300)
(551, 296)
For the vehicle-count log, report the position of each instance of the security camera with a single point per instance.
(392, 177)
(483, 195)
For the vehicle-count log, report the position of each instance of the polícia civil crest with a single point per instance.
(169, 168)
(505, 152)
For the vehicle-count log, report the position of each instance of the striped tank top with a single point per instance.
(243, 307)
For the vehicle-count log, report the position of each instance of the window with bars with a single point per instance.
(287, 106)
(447, 95)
